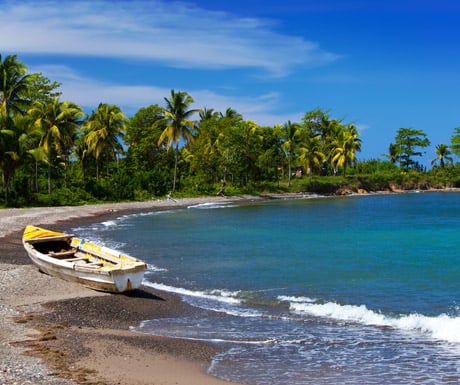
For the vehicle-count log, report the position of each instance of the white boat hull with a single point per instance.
(107, 270)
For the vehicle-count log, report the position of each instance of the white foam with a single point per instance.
(212, 205)
(110, 223)
(296, 299)
(442, 327)
(216, 295)
(153, 268)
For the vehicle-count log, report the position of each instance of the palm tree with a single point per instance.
(442, 155)
(58, 122)
(232, 114)
(251, 142)
(179, 126)
(106, 126)
(15, 145)
(207, 114)
(455, 142)
(394, 152)
(291, 139)
(345, 144)
(13, 87)
(312, 155)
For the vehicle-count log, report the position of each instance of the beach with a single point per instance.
(58, 332)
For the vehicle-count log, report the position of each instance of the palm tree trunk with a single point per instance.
(289, 171)
(107, 163)
(175, 167)
(36, 176)
(5, 186)
(65, 173)
(49, 180)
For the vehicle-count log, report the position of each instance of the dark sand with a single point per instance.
(84, 335)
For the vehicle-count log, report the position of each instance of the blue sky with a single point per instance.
(380, 65)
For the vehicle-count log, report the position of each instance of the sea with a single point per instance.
(323, 290)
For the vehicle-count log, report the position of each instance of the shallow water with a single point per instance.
(316, 291)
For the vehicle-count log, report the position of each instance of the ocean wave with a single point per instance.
(153, 269)
(441, 327)
(197, 328)
(217, 295)
(212, 205)
(111, 223)
(218, 300)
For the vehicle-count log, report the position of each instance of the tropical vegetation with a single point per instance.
(52, 152)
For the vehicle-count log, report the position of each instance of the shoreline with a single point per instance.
(57, 332)
(74, 334)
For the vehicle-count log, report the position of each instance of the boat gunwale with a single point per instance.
(68, 268)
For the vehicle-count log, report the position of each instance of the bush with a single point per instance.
(319, 185)
(63, 197)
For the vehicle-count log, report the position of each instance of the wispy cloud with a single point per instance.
(175, 34)
(89, 92)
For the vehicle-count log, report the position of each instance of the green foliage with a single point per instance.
(408, 143)
(49, 156)
(62, 197)
(373, 166)
(153, 182)
(320, 185)
(143, 132)
(455, 142)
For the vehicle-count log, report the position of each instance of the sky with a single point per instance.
(380, 65)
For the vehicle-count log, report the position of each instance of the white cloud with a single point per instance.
(89, 92)
(175, 34)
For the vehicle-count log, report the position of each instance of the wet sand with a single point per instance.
(82, 335)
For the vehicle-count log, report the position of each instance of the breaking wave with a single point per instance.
(442, 327)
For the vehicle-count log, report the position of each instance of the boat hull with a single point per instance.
(98, 268)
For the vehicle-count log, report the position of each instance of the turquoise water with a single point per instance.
(310, 291)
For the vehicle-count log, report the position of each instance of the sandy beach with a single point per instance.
(57, 332)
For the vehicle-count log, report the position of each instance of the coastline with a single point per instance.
(82, 335)
(57, 332)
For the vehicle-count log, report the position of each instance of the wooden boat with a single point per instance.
(73, 259)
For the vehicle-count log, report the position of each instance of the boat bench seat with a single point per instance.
(73, 259)
(60, 254)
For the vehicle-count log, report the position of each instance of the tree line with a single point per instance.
(52, 152)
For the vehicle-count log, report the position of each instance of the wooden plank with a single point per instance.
(46, 239)
(102, 255)
(62, 253)
(73, 259)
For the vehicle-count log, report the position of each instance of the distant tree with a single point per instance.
(407, 142)
(250, 147)
(14, 83)
(271, 156)
(142, 137)
(312, 155)
(207, 163)
(58, 122)
(455, 142)
(317, 123)
(178, 124)
(442, 155)
(208, 114)
(218, 147)
(393, 153)
(291, 138)
(345, 144)
(106, 127)
(232, 114)
(41, 89)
